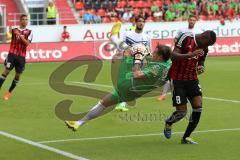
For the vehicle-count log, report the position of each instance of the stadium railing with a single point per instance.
(39, 18)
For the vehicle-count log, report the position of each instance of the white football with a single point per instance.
(140, 48)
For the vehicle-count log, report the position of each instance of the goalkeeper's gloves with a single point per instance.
(140, 51)
(138, 58)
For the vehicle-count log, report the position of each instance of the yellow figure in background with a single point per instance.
(9, 35)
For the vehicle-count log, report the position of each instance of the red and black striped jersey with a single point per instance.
(17, 46)
(186, 69)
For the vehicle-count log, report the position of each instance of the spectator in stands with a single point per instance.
(192, 6)
(167, 10)
(213, 8)
(182, 5)
(88, 4)
(144, 14)
(179, 15)
(127, 14)
(97, 18)
(165, 6)
(96, 4)
(51, 13)
(229, 13)
(170, 15)
(154, 8)
(9, 35)
(203, 6)
(158, 15)
(233, 5)
(105, 4)
(87, 18)
(238, 10)
(190, 9)
(174, 4)
(111, 5)
(65, 34)
(111, 13)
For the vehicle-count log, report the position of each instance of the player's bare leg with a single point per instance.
(13, 85)
(196, 103)
(181, 112)
(95, 112)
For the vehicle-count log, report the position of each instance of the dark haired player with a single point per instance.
(191, 23)
(21, 38)
(190, 28)
(184, 76)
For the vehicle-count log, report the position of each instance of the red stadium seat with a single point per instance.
(141, 4)
(148, 10)
(203, 17)
(81, 13)
(106, 20)
(122, 4)
(149, 3)
(79, 5)
(158, 3)
(101, 12)
(137, 11)
(212, 17)
(133, 4)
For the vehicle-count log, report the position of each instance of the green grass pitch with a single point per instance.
(30, 114)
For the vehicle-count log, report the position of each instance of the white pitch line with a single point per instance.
(134, 135)
(42, 146)
(221, 99)
(91, 84)
(108, 86)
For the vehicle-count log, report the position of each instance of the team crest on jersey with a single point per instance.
(25, 32)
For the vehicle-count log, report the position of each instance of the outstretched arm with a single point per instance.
(176, 54)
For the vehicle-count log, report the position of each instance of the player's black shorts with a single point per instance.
(16, 61)
(185, 90)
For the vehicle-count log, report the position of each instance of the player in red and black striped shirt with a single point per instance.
(184, 76)
(21, 38)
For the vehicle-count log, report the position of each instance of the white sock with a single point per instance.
(166, 88)
(96, 111)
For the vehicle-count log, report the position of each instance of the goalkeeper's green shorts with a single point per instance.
(123, 95)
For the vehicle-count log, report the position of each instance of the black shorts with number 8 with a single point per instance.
(185, 90)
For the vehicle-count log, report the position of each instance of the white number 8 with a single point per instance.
(8, 65)
(178, 100)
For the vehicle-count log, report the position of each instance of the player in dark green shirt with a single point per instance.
(133, 81)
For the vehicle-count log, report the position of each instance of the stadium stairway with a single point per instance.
(12, 9)
(65, 13)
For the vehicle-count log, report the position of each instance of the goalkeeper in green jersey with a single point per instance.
(133, 81)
